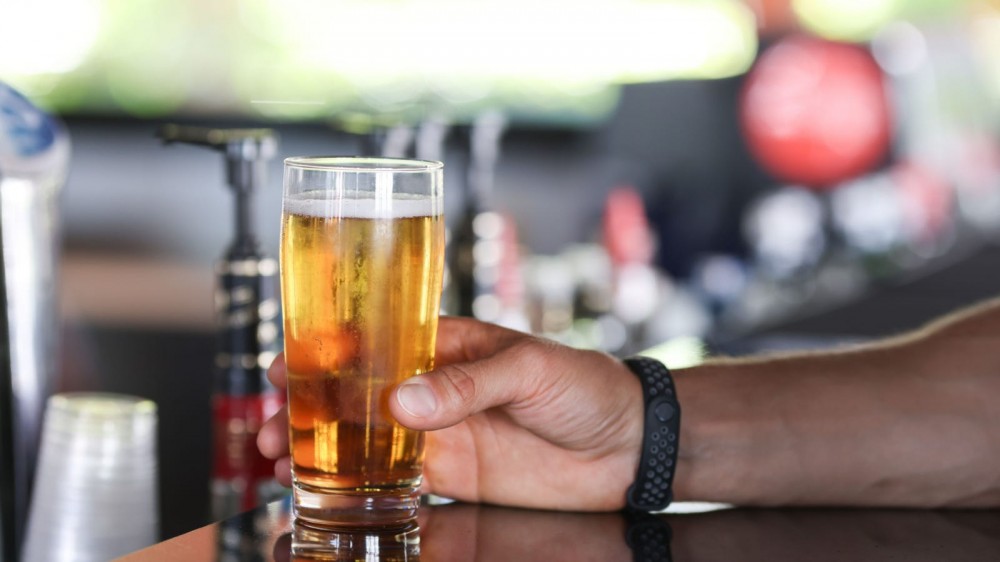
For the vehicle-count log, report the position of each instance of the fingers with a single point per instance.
(283, 471)
(470, 353)
(277, 373)
(453, 392)
(467, 339)
(272, 440)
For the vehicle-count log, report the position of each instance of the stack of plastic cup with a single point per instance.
(95, 495)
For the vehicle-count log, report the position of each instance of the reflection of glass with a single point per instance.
(361, 264)
(309, 544)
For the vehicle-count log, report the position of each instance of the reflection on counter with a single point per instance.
(468, 532)
(305, 544)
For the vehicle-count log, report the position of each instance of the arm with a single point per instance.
(911, 421)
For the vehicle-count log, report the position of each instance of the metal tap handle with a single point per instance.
(245, 144)
(247, 154)
(245, 149)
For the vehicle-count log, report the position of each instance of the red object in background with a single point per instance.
(627, 236)
(927, 199)
(815, 112)
(238, 461)
(510, 281)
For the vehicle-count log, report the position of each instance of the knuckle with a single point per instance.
(459, 383)
(550, 369)
(539, 355)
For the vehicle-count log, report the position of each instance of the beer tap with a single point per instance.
(249, 325)
(483, 253)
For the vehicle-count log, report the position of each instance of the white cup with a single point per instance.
(95, 495)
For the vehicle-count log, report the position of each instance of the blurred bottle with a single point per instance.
(594, 324)
(786, 232)
(629, 242)
(484, 256)
(552, 287)
(34, 157)
(249, 328)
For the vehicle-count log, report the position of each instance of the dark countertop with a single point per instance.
(464, 532)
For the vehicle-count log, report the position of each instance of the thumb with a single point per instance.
(449, 394)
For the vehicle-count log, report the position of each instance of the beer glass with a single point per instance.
(362, 257)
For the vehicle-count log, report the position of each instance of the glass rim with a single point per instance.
(363, 164)
(101, 404)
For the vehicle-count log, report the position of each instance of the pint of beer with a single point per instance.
(362, 246)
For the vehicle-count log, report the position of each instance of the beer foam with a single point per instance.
(402, 205)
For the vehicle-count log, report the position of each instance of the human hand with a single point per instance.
(513, 420)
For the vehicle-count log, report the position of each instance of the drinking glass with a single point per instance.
(362, 257)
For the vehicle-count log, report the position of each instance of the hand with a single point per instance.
(512, 420)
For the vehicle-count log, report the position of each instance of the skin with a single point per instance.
(521, 421)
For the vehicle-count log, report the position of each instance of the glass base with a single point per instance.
(354, 509)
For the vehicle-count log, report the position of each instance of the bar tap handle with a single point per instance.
(475, 280)
(249, 324)
(247, 153)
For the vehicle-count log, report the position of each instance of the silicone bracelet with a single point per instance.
(651, 490)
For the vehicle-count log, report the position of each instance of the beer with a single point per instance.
(361, 293)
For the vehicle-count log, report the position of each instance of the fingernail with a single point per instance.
(416, 398)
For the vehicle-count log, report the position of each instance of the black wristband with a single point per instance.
(651, 490)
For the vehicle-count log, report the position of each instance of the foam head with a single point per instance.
(397, 206)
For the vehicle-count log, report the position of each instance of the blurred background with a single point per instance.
(691, 176)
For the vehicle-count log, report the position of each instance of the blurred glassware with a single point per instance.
(868, 213)
(785, 231)
(594, 325)
(485, 278)
(719, 280)
(928, 208)
(34, 157)
(551, 288)
(96, 494)
(631, 245)
(977, 182)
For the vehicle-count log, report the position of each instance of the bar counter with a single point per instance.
(465, 532)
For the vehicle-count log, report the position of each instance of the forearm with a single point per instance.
(908, 422)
